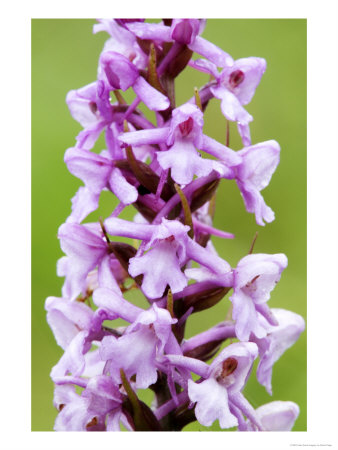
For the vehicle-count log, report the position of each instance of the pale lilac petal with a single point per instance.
(120, 72)
(278, 415)
(230, 105)
(142, 137)
(121, 227)
(245, 354)
(82, 104)
(254, 203)
(94, 170)
(205, 66)
(106, 278)
(86, 138)
(220, 151)
(153, 31)
(184, 161)
(258, 273)
(212, 403)
(93, 364)
(244, 132)
(206, 258)
(114, 303)
(84, 249)
(74, 416)
(124, 191)
(252, 69)
(72, 361)
(259, 162)
(246, 317)
(191, 364)
(161, 320)
(278, 340)
(83, 203)
(67, 318)
(211, 52)
(160, 267)
(134, 353)
(150, 96)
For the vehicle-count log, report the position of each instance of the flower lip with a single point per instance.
(236, 77)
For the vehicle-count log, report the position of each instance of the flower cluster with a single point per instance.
(158, 168)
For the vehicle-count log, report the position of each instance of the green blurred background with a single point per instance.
(64, 57)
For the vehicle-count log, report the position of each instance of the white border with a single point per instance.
(322, 223)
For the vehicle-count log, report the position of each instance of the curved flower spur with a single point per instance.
(158, 169)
